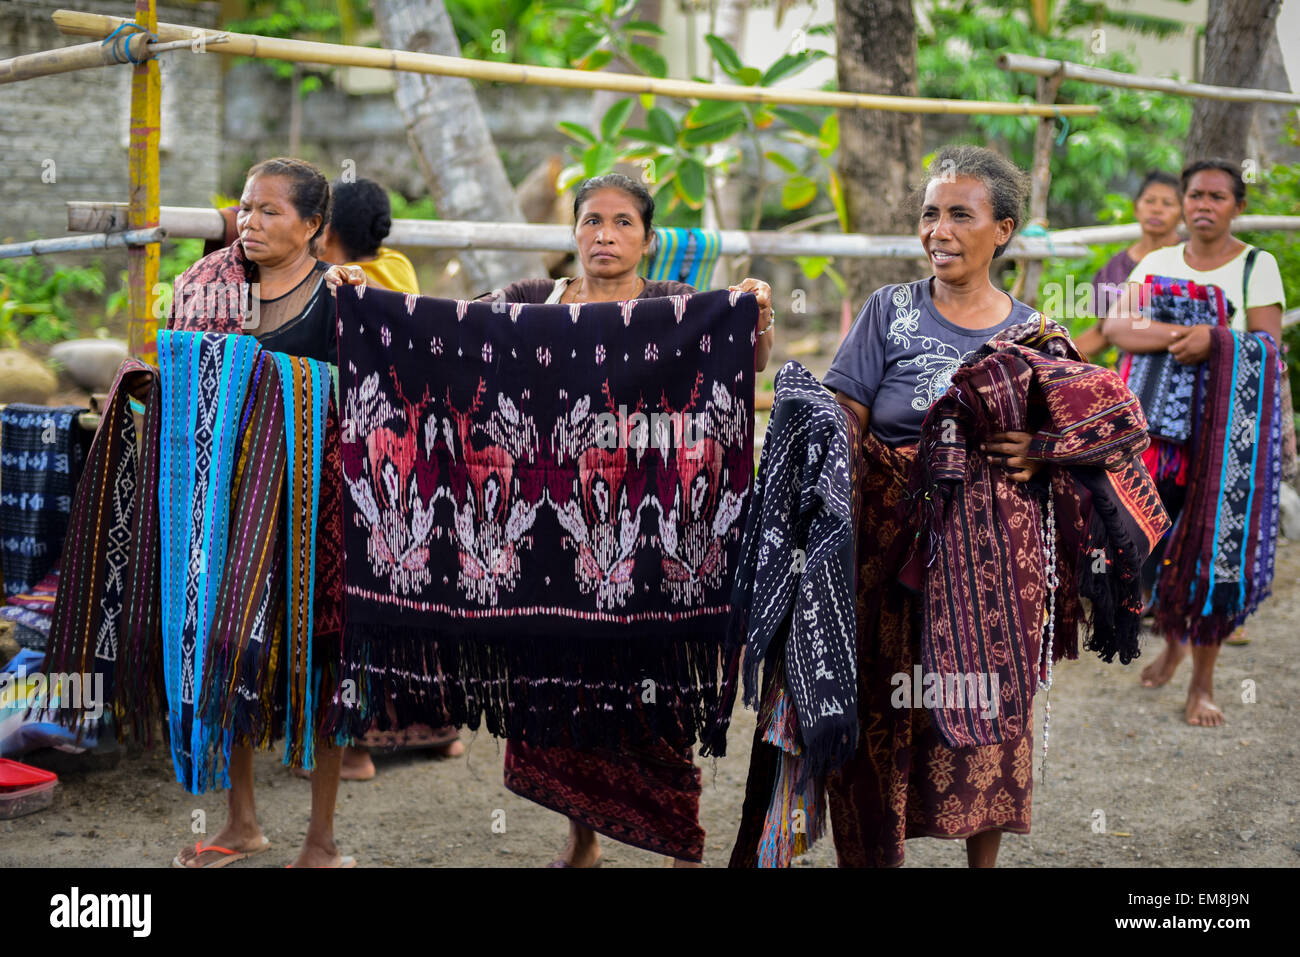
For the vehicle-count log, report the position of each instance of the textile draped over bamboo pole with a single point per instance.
(305, 51)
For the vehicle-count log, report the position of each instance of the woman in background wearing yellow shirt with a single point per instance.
(360, 220)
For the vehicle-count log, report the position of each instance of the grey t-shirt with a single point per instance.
(900, 356)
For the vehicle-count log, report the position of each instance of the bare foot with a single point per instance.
(452, 750)
(356, 765)
(1160, 671)
(1201, 709)
(248, 840)
(321, 855)
(582, 850)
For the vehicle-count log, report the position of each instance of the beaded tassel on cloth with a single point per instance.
(1049, 639)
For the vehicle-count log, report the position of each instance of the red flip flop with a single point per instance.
(230, 856)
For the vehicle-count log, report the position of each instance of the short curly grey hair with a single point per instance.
(1007, 183)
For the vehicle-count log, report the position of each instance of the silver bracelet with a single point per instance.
(770, 323)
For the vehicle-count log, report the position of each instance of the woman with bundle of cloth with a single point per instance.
(288, 308)
(1158, 210)
(1213, 305)
(945, 379)
(644, 795)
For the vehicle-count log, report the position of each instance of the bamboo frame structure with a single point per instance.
(337, 54)
(192, 222)
(68, 244)
(66, 59)
(201, 222)
(137, 46)
(1038, 66)
(1131, 232)
(142, 262)
(1051, 73)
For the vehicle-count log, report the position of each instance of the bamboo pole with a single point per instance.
(87, 55)
(1019, 63)
(142, 213)
(1131, 232)
(181, 222)
(336, 54)
(67, 59)
(69, 244)
(1040, 186)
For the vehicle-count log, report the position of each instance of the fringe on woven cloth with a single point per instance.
(1110, 575)
(580, 692)
(260, 662)
(105, 617)
(1227, 526)
(796, 816)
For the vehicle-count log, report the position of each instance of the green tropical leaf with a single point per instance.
(569, 177)
(785, 163)
(662, 126)
(615, 119)
(643, 27)
(749, 75)
(813, 266)
(648, 60)
(598, 160)
(645, 136)
(577, 132)
(790, 64)
(690, 182)
(800, 121)
(582, 44)
(713, 111)
(836, 190)
(830, 133)
(798, 192)
(597, 59)
(725, 54)
(713, 133)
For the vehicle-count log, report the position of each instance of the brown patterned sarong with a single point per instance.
(903, 781)
(647, 796)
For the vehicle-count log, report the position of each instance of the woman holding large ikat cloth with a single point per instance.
(647, 794)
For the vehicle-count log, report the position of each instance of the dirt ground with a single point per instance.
(1170, 794)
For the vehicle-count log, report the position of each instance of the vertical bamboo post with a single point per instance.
(142, 212)
(1031, 271)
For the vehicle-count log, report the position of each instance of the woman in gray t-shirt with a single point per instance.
(909, 339)
(900, 355)
(896, 362)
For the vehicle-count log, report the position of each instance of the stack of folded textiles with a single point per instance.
(32, 611)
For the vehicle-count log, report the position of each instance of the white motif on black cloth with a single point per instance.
(615, 478)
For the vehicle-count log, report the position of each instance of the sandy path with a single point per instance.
(1170, 794)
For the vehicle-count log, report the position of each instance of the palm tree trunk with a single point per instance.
(880, 153)
(1237, 35)
(451, 141)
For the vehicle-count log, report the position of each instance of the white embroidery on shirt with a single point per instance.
(935, 366)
